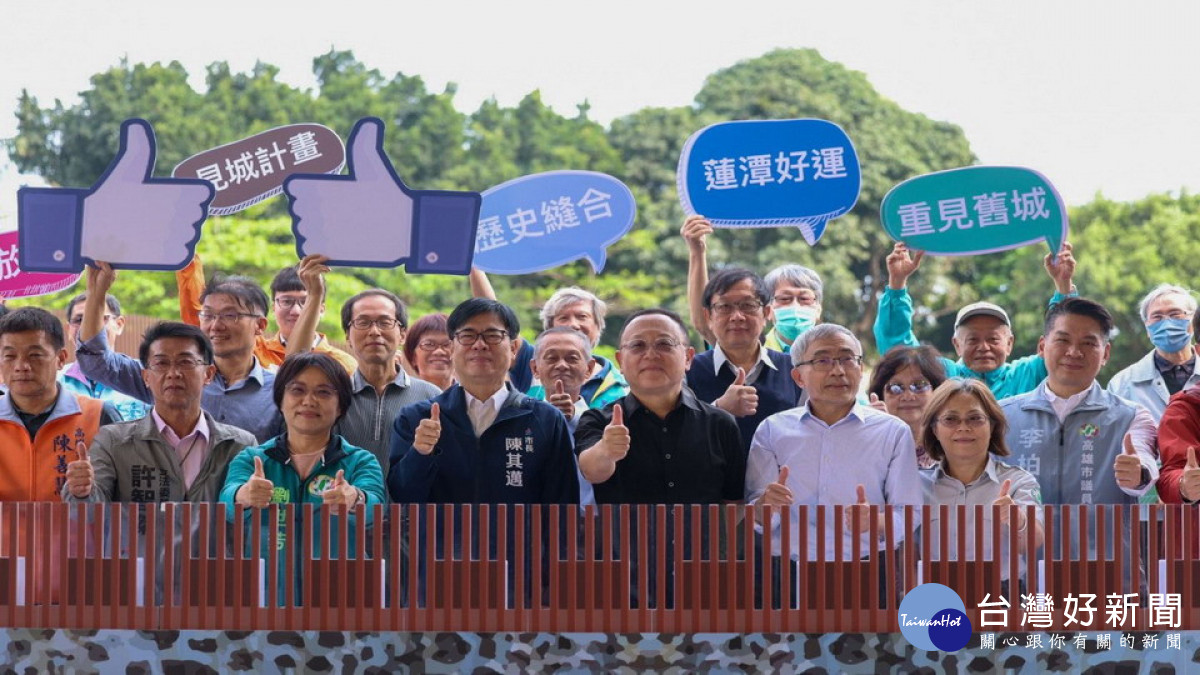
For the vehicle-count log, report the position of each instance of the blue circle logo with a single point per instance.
(933, 618)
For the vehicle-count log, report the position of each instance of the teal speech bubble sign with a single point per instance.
(974, 210)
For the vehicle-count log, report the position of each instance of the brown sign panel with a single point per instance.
(248, 171)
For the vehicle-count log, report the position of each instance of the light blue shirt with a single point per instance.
(825, 465)
(942, 489)
(249, 404)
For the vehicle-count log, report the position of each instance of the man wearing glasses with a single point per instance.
(233, 313)
(832, 450)
(71, 377)
(480, 441)
(375, 321)
(288, 298)
(659, 444)
(1170, 368)
(177, 453)
(739, 374)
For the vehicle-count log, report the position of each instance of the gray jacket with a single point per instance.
(1142, 383)
(1073, 459)
(133, 463)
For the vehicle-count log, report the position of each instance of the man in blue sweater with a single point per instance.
(740, 375)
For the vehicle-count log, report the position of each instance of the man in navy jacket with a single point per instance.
(481, 442)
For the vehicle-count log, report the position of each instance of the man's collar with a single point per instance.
(719, 358)
(358, 382)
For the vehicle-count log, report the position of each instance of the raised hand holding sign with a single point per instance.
(128, 218)
(370, 218)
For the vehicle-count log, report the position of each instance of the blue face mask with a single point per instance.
(793, 320)
(1170, 335)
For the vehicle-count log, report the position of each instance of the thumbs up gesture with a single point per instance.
(1004, 501)
(861, 507)
(340, 494)
(80, 474)
(778, 493)
(739, 399)
(877, 404)
(1189, 482)
(562, 400)
(257, 491)
(371, 218)
(1127, 468)
(616, 436)
(429, 431)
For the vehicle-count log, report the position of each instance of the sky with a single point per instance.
(1099, 96)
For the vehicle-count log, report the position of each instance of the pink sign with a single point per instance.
(17, 284)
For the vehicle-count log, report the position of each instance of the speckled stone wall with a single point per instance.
(114, 651)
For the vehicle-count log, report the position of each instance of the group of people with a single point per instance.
(461, 409)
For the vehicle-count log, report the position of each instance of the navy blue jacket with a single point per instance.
(776, 389)
(525, 457)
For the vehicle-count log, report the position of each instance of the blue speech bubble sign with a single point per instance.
(975, 210)
(767, 173)
(544, 220)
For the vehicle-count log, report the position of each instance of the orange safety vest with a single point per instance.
(36, 470)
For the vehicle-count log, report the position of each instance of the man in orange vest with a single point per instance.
(42, 427)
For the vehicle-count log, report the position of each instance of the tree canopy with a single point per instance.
(435, 145)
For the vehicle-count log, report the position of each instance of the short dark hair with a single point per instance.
(174, 329)
(114, 306)
(728, 278)
(925, 358)
(297, 363)
(244, 290)
(286, 281)
(28, 319)
(469, 309)
(348, 307)
(660, 311)
(1080, 307)
(970, 387)
(430, 323)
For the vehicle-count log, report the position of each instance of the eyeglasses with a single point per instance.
(384, 323)
(434, 345)
(467, 338)
(226, 317)
(296, 390)
(825, 365)
(918, 387)
(785, 299)
(745, 307)
(661, 345)
(182, 365)
(288, 303)
(954, 421)
(78, 321)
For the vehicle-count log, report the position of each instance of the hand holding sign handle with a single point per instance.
(370, 218)
(127, 218)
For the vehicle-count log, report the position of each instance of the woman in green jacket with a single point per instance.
(307, 464)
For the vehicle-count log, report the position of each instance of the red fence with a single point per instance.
(561, 569)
